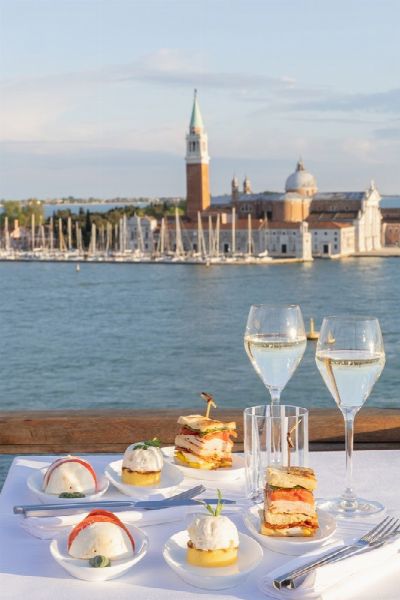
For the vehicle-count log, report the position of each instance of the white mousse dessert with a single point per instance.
(142, 463)
(101, 533)
(213, 539)
(70, 474)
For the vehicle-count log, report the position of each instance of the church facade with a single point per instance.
(300, 223)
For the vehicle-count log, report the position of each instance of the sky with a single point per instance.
(96, 96)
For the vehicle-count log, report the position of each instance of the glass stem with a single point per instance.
(349, 496)
(276, 457)
(275, 396)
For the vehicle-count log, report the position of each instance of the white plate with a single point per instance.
(81, 568)
(170, 478)
(35, 483)
(225, 474)
(294, 546)
(218, 578)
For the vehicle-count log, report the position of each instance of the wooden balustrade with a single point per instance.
(113, 430)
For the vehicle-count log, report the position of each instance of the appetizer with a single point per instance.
(203, 443)
(142, 463)
(289, 502)
(100, 533)
(70, 475)
(213, 539)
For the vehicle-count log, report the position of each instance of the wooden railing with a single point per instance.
(113, 430)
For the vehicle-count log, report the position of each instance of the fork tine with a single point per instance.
(377, 527)
(389, 525)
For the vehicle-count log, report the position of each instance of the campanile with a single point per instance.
(197, 159)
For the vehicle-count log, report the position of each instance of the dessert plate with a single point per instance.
(249, 557)
(236, 471)
(171, 477)
(82, 570)
(35, 482)
(294, 546)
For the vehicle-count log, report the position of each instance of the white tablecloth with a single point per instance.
(28, 571)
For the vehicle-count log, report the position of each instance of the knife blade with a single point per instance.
(71, 508)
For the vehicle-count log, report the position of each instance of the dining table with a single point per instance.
(29, 572)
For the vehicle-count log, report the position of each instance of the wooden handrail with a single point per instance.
(113, 430)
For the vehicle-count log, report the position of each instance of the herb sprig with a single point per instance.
(154, 443)
(215, 512)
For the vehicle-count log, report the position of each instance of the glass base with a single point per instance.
(347, 509)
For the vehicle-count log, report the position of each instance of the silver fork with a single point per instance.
(381, 532)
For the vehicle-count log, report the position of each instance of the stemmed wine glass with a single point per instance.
(350, 357)
(275, 342)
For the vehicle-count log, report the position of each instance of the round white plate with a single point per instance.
(218, 578)
(293, 546)
(35, 483)
(171, 477)
(82, 570)
(225, 474)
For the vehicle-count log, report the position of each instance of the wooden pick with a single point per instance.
(290, 441)
(210, 402)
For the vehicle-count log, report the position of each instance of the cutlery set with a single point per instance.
(185, 498)
(382, 533)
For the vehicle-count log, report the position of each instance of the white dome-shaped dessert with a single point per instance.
(213, 533)
(70, 474)
(142, 459)
(301, 181)
(104, 538)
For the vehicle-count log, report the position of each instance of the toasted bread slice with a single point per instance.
(298, 531)
(289, 478)
(202, 424)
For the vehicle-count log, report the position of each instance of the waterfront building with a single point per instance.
(141, 234)
(337, 223)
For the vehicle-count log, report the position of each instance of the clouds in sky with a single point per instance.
(108, 129)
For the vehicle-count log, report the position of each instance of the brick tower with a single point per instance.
(197, 181)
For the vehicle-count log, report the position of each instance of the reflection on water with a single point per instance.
(156, 335)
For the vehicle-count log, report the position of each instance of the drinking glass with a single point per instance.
(350, 357)
(275, 341)
(261, 450)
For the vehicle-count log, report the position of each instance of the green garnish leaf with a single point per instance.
(99, 561)
(71, 495)
(214, 512)
(155, 443)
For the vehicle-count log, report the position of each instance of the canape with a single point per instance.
(142, 464)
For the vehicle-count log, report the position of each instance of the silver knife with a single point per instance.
(71, 508)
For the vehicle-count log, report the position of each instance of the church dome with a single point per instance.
(301, 181)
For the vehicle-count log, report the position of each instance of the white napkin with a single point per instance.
(47, 528)
(336, 580)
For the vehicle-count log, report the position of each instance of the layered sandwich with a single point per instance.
(203, 443)
(289, 502)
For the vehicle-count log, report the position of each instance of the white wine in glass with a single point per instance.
(350, 357)
(275, 342)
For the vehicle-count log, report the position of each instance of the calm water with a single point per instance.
(156, 335)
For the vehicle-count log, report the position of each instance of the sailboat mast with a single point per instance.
(69, 225)
(33, 231)
(233, 231)
(249, 234)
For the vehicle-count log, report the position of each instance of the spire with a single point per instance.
(300, 165)
(196, 121)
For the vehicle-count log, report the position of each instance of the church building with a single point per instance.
(300, 223)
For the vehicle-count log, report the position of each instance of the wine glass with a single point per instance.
(350, 357)
(275, 342)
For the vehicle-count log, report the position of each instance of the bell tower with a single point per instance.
(197, 159)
